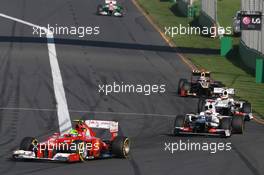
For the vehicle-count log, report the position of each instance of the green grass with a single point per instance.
(228, 70)
(233, 76)
(164, 14)
(226, 11)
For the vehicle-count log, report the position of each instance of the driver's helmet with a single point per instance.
(224, 95)
(202, 78)
(209, 112)
(73, 132)
(209, 106)
(202, 114)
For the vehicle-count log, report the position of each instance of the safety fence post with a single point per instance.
(259, 70)
(226, 45)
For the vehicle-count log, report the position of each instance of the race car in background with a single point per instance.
(200, 85)
(110, 8)
(208, 123)
(78, 144)
(225, 104)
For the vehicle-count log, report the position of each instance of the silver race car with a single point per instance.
(225, 104)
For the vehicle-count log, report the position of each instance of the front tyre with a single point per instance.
(121, 147)
(226, 124)
(28, 144)
(238, 124)
(178, 122)
(80, 149)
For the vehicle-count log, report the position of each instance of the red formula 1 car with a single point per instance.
(78, 144)
(200, 85)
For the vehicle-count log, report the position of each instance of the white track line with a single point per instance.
(86, 111)
(62, 107)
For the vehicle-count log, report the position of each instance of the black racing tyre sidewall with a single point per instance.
(82, 154)
(246, 108)
(99, 9)
(180, 84)
(119, 147)
(201, 105)
(179, 121)
(225, 123)
(238, 124)
(28, 144)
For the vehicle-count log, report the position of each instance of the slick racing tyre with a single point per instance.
(121, 147)
(80, 149)
(28, 144)
(181, 84)
(178, 122)
(238, 124)
(99, 9)
(226, 124)
(201, 105)
(246, 108)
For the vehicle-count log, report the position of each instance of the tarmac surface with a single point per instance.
(128, 50)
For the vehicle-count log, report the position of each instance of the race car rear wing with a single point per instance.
(200, 73)
(108, 1)
(112, 126)
(230, 91)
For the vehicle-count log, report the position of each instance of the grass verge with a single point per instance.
(229, 70)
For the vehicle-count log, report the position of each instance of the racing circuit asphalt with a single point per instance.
(127, 50)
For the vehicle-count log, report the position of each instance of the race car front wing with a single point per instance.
(212, 131)
(30, 155)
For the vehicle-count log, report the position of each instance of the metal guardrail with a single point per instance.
(254, 39)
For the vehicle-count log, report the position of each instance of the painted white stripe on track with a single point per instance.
(86, 111)
(62, 107)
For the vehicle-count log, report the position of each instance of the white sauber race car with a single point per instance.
(225, 104)
(208, 122)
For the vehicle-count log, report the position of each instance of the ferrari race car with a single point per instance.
(76, 145)
(200, 85)
(225, 104)
(110, 8)
(208, 123)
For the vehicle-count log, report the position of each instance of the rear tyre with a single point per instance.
(28, 144)
(99, 9)
(238, 124)
(121, 147)
(246, 108)
(201, 105)
(120, 10)
(181, 82)
(187, 86)
(178, 122)
(226, 124)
